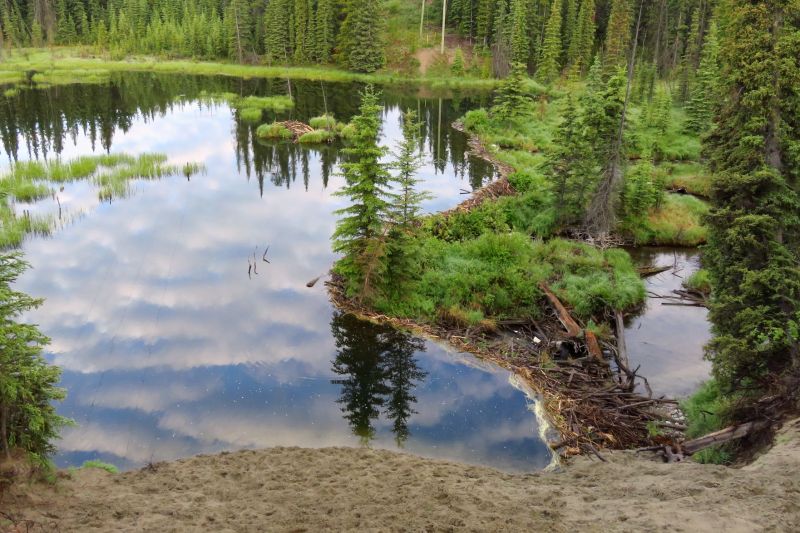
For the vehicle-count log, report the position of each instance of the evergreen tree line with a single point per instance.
(562, 37)
(296, 31)
(550, 37)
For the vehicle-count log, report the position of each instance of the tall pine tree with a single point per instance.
(753, 250)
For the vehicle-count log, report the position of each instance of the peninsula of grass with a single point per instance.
(30, 181)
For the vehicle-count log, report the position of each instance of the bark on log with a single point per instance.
(572, 327)
(622, 349)
(593, 346)
(723, 435)
(646, 272)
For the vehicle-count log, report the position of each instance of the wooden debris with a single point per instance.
(593, 346)
(647, 271)
(297, 128)
(495, 189)
(572, 327)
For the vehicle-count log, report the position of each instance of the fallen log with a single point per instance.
(647, 271)
(593, 346)
(724, 435)
(572, 327)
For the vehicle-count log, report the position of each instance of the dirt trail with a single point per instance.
(295, 489)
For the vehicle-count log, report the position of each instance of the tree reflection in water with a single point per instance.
(379, 373)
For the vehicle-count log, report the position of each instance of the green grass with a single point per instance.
(75, 64)
(496, 276)
(317, 137)
(700, 281)
(11, 93)
(94, 463)
(58, 76)
(277, 103)
(250, 114)
(679, 222)
(692, 176)
(276, 130)
(11, 76)
(324, 122)
(704, 412)
(23, 190)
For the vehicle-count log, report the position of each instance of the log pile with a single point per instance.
(297, 128)
(496, 189)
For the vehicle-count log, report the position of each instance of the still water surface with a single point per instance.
(170, 348)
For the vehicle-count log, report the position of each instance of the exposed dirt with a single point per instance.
(335, 489)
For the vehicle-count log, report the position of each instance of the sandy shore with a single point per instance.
(298, 489)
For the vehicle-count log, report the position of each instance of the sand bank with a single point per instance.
(299, 489)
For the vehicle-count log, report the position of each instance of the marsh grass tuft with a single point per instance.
(275, 130)
(317, 137)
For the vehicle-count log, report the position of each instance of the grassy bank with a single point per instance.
(72, 65)
(662, 159)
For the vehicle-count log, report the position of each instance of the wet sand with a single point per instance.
(345, 489)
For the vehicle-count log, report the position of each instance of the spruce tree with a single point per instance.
(603, 114)
(753, 251)
(572, 169)
(549, 67)
(407, 199)
(579, 54)
(361, 35)
(325, 30)
(705, 90)
(28, 385)
(520, 44)
(277, 36)
(406, 206)
(360, 232)
(618, 36)
(512, 99)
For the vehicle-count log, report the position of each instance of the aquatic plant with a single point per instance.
(27, 181)
(250, 114)
(276, 130)
(317, 137)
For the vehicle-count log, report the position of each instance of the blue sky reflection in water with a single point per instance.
(169, 348)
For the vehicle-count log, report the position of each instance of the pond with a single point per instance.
(667, 340)
(171, 346)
